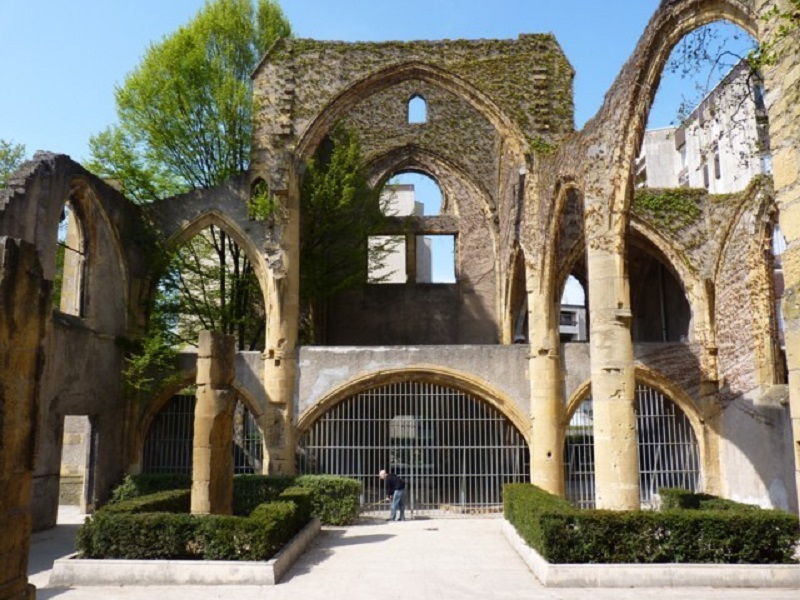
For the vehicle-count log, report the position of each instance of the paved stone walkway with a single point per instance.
(436, 559)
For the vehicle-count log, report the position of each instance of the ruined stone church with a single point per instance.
(682, 382)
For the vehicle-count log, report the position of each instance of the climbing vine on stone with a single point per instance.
(672, 209)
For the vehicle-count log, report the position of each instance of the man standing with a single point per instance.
(395, 492)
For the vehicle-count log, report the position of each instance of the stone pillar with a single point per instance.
(616, 462)
(280, 357)
(547, 406)
(24, 304)
(782, 82)
(212, 459)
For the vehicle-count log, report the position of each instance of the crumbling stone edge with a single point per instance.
(72, 571)
(651, 575)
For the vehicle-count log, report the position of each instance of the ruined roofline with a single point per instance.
(310, 44)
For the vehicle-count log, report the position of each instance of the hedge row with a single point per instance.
(113, 532)
(675, 498)
(169, 501)
(335, 500)
(563, 534)
(134, 486)
(251, 490)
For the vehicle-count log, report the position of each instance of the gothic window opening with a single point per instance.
(68, 282)
(417, 110)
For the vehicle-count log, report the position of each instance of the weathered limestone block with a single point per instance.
(24, 299)
(212, 471)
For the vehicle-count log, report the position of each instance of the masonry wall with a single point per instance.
(24, 295)
(323, 370)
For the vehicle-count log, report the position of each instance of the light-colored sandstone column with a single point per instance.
(212, 459)
(782, 82)
(616, 461)
(280, 357)
(24, 302)
(547, 407)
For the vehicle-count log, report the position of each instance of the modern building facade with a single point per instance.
(721, 146)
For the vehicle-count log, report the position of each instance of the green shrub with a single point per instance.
(335, 500)
(133, 486)
(140, 536)
(157, 527)
(251, 490)
(170, 501)
(257, 537)
(302, 497)
(531, 510)
(563, 534)
(672, 498)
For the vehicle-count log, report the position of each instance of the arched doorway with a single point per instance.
(669, 454)
(455, 450)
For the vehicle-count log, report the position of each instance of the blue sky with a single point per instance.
(61, 59)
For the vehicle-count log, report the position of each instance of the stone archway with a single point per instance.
(453, 442)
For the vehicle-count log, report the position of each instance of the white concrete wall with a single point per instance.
(322, 370)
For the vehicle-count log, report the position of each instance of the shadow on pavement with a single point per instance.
(325, 545)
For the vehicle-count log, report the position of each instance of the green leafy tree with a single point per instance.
(210, 284)
(339, 211)
(185, 122)
(11, 157)
(185, 113)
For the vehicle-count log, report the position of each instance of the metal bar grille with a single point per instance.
(168, 446)
(579, 457)
(668, 449)
(454, 451)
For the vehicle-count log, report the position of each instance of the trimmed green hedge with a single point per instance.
(676, 498)
(257, 537)
(138, 536)
(170, 501)
(126, 530)
(335, 500)
(563, 534)
(134, 486)
(251, 490)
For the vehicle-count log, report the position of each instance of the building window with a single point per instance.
(417, 110)
(436, 259)
(758, 97)
(387, 259)
(717, 167)
(68, 282)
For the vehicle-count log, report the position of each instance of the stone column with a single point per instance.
(24, 304)
(547, 406)
(782, 82)
(280, 357)
(212, 459)
(616, 462)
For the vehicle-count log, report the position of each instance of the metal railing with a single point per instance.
(668, 453)
(454, 451)
(168, 446)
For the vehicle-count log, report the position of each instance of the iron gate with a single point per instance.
(668, 449)
(454, 450)
(168, 446)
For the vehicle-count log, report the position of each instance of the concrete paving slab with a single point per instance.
(436, 559)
